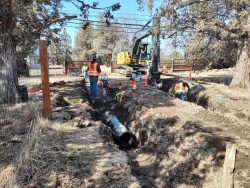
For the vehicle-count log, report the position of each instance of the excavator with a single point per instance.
(142, 56)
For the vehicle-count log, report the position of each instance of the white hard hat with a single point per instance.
(94, 57)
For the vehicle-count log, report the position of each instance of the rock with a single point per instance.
(132, 178)
(78, 118)
(57, 109)
(90, 110)
(134, 185)
(57, 83)
(59, 101)
(67, 117)
(106, 113)
(77, 124)
(84, 124)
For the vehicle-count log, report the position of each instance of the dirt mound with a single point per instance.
(181, 148)
(195, 96)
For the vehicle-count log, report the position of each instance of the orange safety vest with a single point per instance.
(179, 88)
(93, 69)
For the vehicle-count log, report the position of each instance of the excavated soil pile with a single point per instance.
(183, 144)
(219, 98)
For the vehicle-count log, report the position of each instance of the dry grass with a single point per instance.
(14, 128)
(36, 152)
(59, 154)
(55, 153)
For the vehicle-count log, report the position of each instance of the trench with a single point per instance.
(104, 108)
(147, 170)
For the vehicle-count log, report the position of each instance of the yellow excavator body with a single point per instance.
(124, 57)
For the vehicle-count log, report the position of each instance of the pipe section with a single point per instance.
(161, 91)
(121, 133)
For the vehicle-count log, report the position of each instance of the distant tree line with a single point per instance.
(103, 40)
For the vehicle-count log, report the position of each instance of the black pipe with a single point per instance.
(123, 136)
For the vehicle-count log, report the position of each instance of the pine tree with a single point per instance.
(60, 50)
(107, 38)
(84, 48)
(24, 20)
(226, 21)
(55, 53)
(65, 40)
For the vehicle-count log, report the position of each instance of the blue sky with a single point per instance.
(128, 7)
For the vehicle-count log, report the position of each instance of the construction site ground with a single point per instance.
(179, 143)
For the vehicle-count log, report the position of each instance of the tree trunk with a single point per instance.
(9, 79)
(108, 60)
(242, 71)
(8, 72)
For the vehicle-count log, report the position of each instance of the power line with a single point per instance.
(106, 25)
(115, 18)
(100, 30)
(110, 23)
(178, 35)
(111, 13)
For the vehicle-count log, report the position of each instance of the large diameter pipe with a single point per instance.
(161, 91)
(121, 133)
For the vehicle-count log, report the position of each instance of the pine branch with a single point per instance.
(191, 3)
(181, 29)
(52, 22)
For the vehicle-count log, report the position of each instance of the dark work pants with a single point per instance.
(180, 96)
(93, 84)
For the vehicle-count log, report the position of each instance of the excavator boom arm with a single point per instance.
(137, 40)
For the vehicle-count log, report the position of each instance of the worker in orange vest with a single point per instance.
(180, 89)
(94, 69)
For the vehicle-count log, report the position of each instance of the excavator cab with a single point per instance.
(144, 53)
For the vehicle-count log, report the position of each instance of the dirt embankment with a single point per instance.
(182, 144)
(219, 98)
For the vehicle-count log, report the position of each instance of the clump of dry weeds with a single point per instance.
(34, 156)
(14, 128)
(56, 154)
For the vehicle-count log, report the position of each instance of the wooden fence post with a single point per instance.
(45, 78)
(227, 178)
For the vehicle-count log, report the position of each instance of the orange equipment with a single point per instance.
(35, 90)
(135, 85)
(104, 91)
(55, 73)
(132, 82)
(146, 80)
